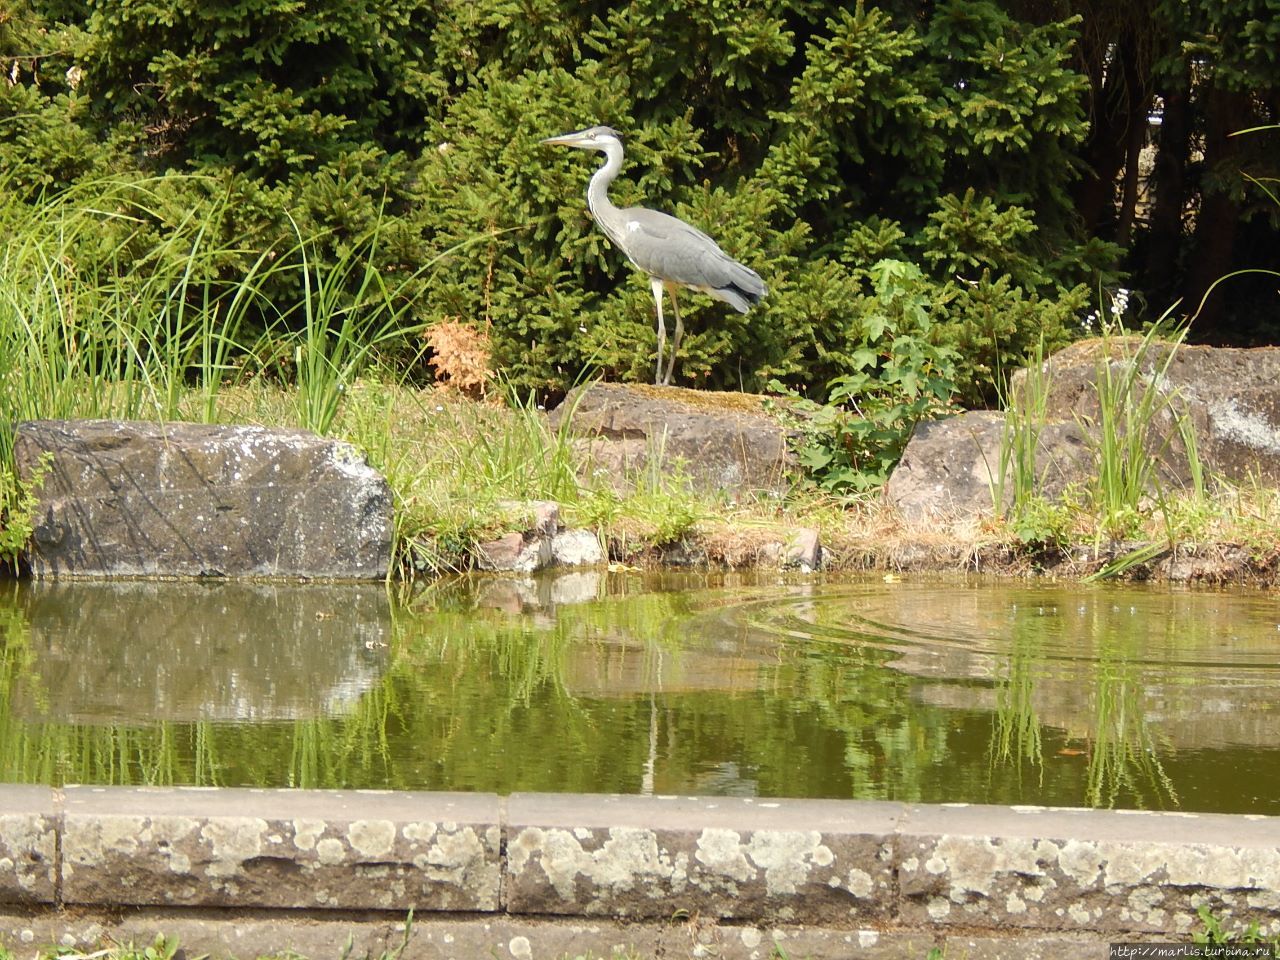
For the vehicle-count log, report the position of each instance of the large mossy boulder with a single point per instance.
(723, 442)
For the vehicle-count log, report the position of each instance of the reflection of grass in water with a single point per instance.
(514, 666)
(1016, 738)
(1123, 749)
(1123, 754)
(110, 753)
(37, 751)
(115, 754)
(505, 702)
(476, 697)
(15, 662)
(323, 751)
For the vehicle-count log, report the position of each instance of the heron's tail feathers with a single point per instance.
(740, 300)
(744, 291)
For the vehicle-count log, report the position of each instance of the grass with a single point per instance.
(456, 467)
(1017, 479)
(116, 303)
(112, 305)
(1147, 484)
(1132, 449)
(102, 317)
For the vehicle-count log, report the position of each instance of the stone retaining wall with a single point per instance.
(877, 879)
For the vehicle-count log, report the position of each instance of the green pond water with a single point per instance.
(913, 689)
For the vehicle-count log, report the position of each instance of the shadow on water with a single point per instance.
(929, 690)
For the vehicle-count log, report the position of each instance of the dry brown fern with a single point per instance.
(460, 357)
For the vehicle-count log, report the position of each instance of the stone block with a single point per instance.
(337, 850)
(226, 934)
(28, 845)
(541, 544)
(543, 515)
(724, 857)
(1229, 397)
(1028, 946)
(132, 499)
(514, 553)
(576, 548)
(802, 550)
(1231, 394)
(1085, 870)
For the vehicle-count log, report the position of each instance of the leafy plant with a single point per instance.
(900, 377)
(1215, 932)
(161, 948)
(18, 503)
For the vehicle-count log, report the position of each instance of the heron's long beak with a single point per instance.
(565, 140)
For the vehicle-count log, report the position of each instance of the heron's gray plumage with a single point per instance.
(673, 253)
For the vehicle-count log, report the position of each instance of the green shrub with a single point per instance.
(900, 377)
(811, 140)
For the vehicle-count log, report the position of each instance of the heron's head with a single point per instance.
(592, 138)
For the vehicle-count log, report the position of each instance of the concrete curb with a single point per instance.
(943, 869)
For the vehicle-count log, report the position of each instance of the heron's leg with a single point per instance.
(675, 340)
(656, 286)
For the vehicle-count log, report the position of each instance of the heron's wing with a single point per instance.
(669, 248)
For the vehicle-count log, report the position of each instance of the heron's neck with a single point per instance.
(602, 208)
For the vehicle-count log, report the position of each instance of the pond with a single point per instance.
(914, 689)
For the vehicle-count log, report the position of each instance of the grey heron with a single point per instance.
(670, 251)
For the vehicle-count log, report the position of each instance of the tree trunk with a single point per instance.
(1165, 231)
(1138, 83)
(1095, 195)
(1119, 115)
(1226, 111)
